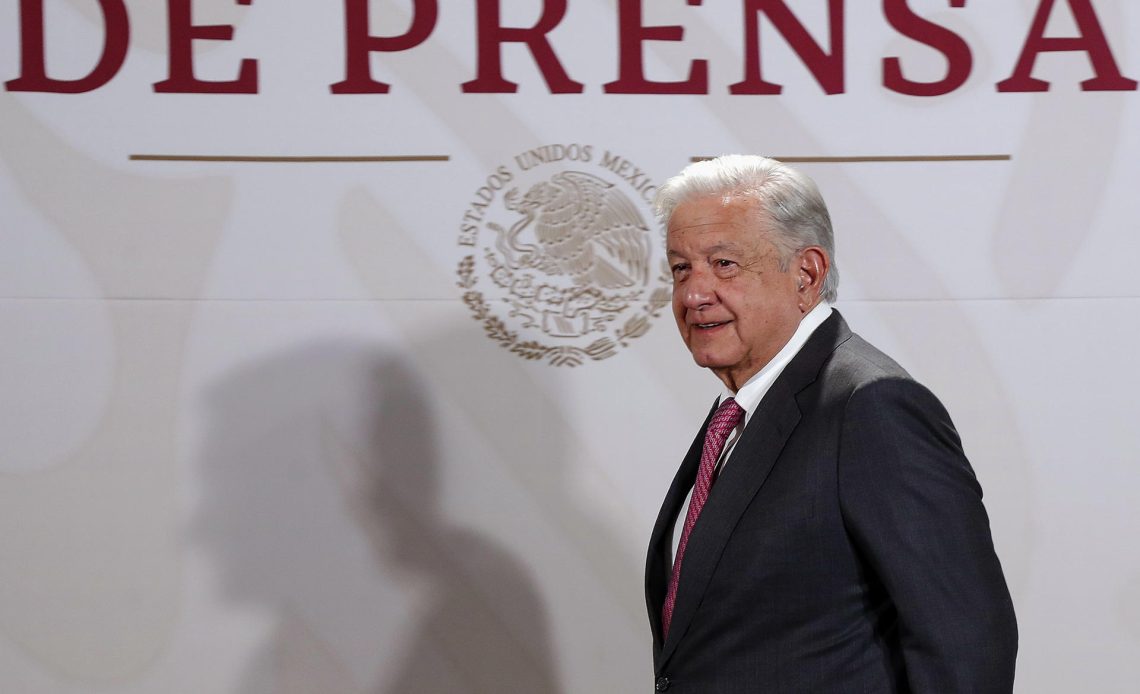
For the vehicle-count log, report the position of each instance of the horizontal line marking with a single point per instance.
(315, 159)
(890, 159)
(251, 300)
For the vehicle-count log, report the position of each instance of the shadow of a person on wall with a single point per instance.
(322, 504)
(483, 628)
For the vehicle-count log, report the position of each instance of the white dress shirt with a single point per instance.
(754, 390)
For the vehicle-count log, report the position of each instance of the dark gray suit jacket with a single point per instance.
(843, 549)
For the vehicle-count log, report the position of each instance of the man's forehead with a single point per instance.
(712, 210)
(715, 234)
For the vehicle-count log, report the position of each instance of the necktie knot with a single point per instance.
(725, 419)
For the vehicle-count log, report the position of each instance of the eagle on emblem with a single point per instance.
(584, 228)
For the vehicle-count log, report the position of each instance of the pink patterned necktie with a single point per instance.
(724, 420)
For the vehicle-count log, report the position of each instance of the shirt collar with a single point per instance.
(754, 389)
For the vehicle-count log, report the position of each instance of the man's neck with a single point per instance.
(808, 324)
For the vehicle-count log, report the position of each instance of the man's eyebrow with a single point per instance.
(723, 247)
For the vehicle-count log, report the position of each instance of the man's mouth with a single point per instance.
(710, 326)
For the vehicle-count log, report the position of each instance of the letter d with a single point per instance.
(33, 73)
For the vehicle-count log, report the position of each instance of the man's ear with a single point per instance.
(812, 270)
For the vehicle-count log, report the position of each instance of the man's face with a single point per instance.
(734, 306)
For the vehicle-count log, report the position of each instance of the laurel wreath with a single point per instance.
(561, 355)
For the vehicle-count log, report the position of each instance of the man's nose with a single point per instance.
(699, 292)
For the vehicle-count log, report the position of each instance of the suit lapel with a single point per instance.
(658, 564)
(752, 460)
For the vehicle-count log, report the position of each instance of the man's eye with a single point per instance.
(722, 262)
(679, 268)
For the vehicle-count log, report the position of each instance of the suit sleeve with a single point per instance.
(913, 508)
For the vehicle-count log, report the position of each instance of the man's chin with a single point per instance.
(711, 361)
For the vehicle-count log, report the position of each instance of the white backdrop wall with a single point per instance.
(255, 439)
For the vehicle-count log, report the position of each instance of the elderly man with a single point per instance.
(825, 532)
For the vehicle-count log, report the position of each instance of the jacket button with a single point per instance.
(662, 684)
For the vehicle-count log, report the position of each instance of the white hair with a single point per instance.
(787, 197)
